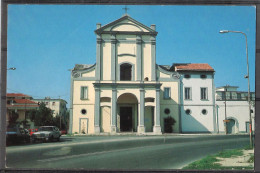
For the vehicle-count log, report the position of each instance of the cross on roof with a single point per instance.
(125, 9)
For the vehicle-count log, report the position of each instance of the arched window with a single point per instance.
(125, 72)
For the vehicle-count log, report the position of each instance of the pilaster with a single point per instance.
(153, 56)
(97, 110)
(114, 110)
(98, 57)
(113, 57)
(139, 58)
(141, 127)
(157, 125)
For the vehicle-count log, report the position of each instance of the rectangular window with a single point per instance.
(53, 103)
(252, 95)
(239, 96)
(84, 93)
(223, 96)
(187, 94)
(203, 94)
(228, 95)
(167, 93)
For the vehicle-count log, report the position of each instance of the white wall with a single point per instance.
(237, 110)
(197, 122)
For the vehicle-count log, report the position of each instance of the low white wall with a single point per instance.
(237, 110)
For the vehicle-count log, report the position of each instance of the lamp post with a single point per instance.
(3, 122)
(247, 76)
(225, 109)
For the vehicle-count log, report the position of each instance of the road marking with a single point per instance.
(88, 154)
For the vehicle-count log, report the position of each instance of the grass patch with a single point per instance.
(251, 159)
(208, 163)
(230, 153)
(205, 163)
(248, 147)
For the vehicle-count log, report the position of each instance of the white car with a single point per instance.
(46, 133)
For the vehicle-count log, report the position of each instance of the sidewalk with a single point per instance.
(154, 134)
(235, 161)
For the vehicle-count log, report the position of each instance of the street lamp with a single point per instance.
(11, 68)
(247, 76)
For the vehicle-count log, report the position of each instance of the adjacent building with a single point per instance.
(58, 106)
(19, 105)
(197, 97)
(232, 105)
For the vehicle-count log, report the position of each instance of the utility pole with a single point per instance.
(60, 112)
(248, 83)
(225, 109)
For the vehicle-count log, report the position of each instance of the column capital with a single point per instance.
(113, 41)
(153, 42)
(142, 90)
(99, 40)
(97, 88)
(138, 41)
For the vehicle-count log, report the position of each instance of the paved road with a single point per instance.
(121, 152)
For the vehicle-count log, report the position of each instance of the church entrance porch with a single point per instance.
(127, 113)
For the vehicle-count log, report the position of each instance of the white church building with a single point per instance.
(126, 91)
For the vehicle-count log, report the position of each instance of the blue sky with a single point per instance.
(44, 41)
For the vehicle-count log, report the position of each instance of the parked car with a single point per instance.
(16, 134)
(31, 131)
(63, 132)
(46, 133)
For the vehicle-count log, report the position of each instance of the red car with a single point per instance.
(31, 131)
(63, 132)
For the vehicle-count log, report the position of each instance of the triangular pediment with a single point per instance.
(125, 24)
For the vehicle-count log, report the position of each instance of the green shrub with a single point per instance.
(168, 123)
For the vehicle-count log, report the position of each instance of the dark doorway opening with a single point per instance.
(126, 72)
(126, 124)
(247, 127)
(231, 126)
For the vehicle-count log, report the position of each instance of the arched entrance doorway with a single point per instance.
(231, 126)
(127, 113)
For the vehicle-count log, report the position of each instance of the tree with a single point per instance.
(43, 116)
(58, 121)
(67, 119)
(32, 115)
(12, 118)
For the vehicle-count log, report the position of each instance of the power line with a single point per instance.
(35, 96)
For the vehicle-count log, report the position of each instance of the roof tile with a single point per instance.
(194, 67)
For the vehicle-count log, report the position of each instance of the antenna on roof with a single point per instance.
(125, 9)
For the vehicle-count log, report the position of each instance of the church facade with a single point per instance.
(126, 91)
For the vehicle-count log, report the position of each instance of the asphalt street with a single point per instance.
(121, 152)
